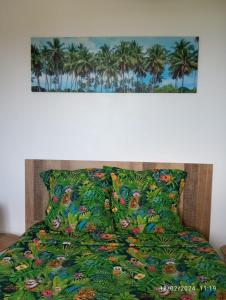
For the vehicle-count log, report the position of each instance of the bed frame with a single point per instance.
(195, 204)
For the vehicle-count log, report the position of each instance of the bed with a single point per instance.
(115, 232)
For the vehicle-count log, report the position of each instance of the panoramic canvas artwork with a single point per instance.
(114, 64)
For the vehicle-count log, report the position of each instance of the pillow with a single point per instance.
(78, 200)
(146, 201)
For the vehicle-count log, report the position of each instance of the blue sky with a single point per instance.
(94, 43)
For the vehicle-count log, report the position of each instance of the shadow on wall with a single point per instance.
(2, 220)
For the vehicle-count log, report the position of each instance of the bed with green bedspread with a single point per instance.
(47, 265)
(112, 234)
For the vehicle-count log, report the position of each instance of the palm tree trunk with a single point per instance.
(58, 78)
(101, 83)
(38, 82)
(152, 84)
(87, 83)
(112, 84)
(51, 82)
(47, 81)
(66, 81)
(134, 81)
(45, 84)
(79, 82)
(123, 78)
(76, 82)
(182, 85)
(61, 79)
(71, 81)
(195, 80)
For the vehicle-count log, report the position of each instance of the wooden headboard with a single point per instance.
(195, 204)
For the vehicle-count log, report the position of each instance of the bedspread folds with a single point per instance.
(47, 265)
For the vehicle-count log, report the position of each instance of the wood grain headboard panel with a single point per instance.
(195, 204)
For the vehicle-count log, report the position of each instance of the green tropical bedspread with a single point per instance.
(49, 265)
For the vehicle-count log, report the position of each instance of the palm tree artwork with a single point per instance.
(183, 60)
(156, 59)
(115, 64)
(36, 65)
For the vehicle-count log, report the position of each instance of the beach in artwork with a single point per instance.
(114, 64)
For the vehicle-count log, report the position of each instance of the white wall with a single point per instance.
(134, 127)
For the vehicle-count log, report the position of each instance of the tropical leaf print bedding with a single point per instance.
(147, 201)
(79, 200)
(45, 264)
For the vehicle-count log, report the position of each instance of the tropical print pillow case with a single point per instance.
(146, 201)
(78, 200)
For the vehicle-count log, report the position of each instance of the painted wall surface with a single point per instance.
(134, 127)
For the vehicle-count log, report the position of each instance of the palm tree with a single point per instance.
(140, 74)
(183, 60)
(85, 64)
(156, 58)
(137, 61)
(56, 49)
(195, 67)
(122, 52)
(48, 68)
(36, 64)
(102, 58)
(111, 71)
(106, 66)
(46, 60)
(71, 57)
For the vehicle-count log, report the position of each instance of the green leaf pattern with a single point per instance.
(146, 201)
(78, 200)
(92, 261)
(45, 264)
